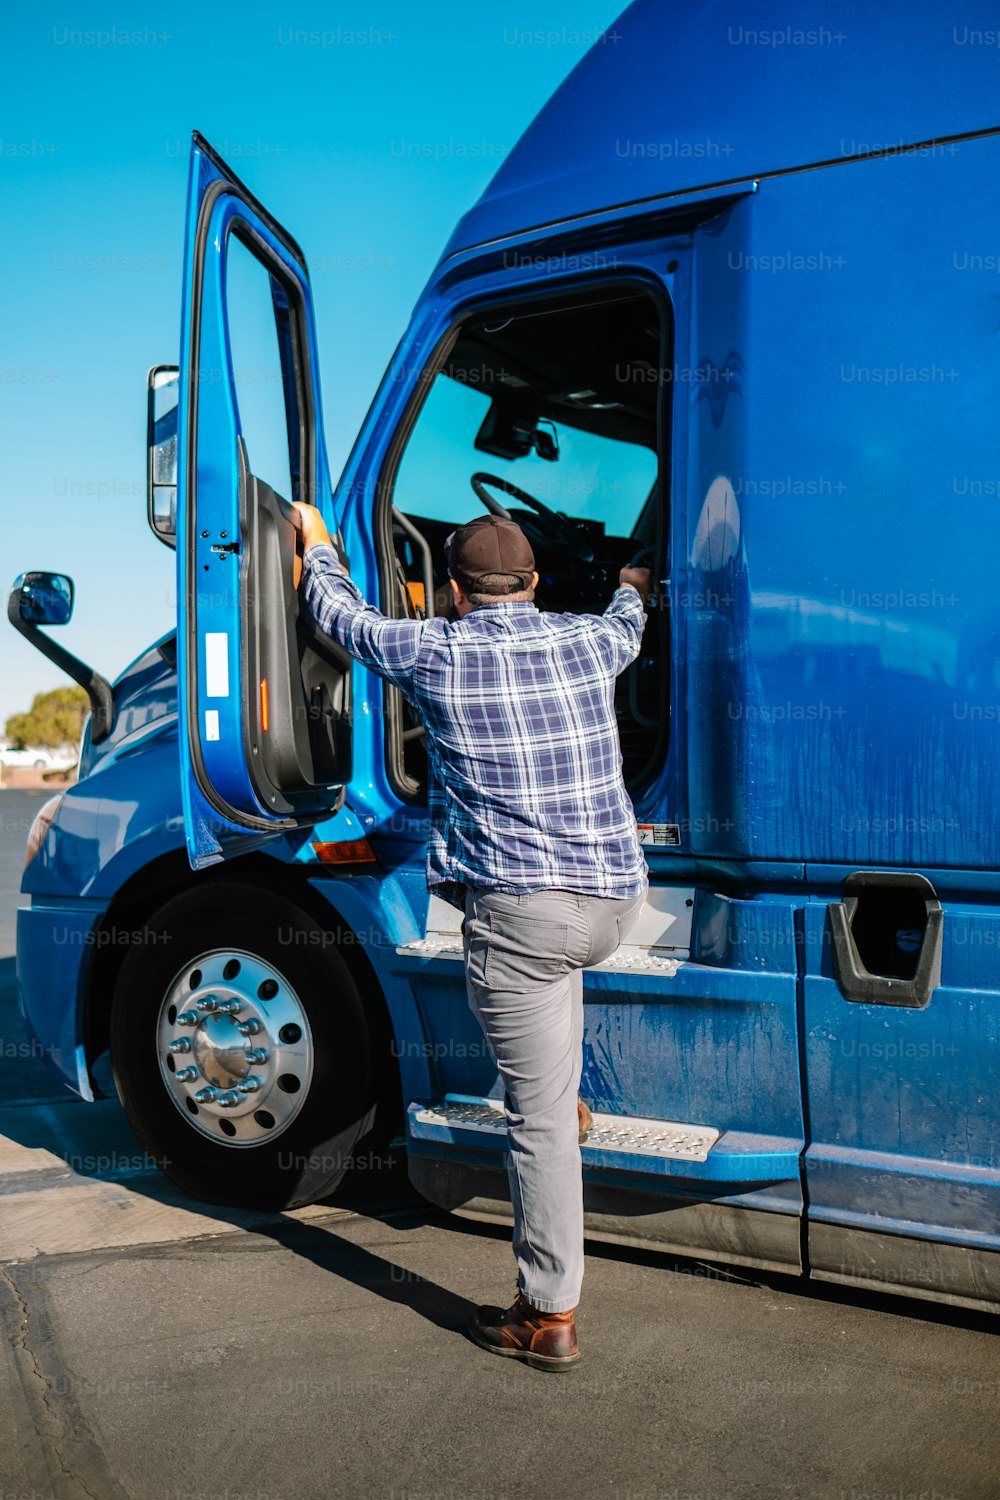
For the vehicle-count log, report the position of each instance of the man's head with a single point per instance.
(490, 562)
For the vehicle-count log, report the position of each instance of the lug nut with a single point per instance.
(226, 1101)
(257, 1055)
(188, 1018)
(208, 1003)
(187, 1075)
(207, 1095)
(248, 1028)
(182, 1044)
(229, 1007)
(249, 1086)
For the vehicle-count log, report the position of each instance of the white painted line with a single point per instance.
(84, 1183)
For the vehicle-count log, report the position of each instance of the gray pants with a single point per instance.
(524, 957)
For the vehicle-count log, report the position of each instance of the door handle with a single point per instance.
(856, 981)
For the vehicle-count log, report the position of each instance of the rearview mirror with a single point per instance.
(45, 598)
(161, 452)
(510, 434)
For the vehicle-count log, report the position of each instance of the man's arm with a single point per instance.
(624, 620)
(388, 646)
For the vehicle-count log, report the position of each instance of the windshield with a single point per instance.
(595, 477)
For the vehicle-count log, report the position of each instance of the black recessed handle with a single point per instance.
(855, 980)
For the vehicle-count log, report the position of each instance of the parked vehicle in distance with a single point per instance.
(728, 311)
(38, 759)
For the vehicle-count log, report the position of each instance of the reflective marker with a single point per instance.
(348, 851)
(263, 704)
(216, 664)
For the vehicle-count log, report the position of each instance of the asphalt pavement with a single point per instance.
(161, 1349)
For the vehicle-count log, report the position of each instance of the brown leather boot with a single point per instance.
(546, 1341)
(584, 1119)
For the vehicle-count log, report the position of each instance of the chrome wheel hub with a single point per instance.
(235, 1048)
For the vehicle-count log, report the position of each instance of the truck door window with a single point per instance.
(257, 371)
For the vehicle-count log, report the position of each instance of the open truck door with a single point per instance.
(263, 696)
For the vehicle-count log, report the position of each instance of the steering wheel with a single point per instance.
(556, 528)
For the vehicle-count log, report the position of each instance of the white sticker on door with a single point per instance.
(659, 835)
(216, 664)
(211, 723)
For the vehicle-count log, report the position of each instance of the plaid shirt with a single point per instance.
(526, 789)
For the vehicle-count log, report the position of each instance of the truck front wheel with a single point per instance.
(241, 1050)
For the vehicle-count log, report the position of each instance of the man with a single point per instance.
(533, 835)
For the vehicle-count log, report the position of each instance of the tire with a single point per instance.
(39, 765)
(266, 965)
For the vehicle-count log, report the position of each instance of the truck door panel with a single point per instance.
(263, 698)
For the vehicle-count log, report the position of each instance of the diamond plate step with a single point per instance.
(628, 958)
(659, 942)
(618, 1134)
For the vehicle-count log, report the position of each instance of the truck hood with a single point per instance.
(145, 695)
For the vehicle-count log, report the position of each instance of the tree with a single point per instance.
(54, 718)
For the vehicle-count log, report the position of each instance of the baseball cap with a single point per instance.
(490, 544)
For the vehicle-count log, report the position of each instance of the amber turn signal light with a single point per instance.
(347, 852)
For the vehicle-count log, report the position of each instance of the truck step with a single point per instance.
(609, 1134)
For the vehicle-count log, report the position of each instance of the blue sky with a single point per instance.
(332, 115)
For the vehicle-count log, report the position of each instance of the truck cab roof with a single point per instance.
(676, 97)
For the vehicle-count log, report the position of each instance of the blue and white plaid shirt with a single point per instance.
(526, 789)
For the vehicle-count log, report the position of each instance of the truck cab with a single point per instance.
(674, 332)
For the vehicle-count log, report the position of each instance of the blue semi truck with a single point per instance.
(728, 310)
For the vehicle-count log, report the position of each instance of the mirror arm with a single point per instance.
(97, 688)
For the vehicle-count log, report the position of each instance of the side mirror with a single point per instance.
(161, 452)
(45, 598)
